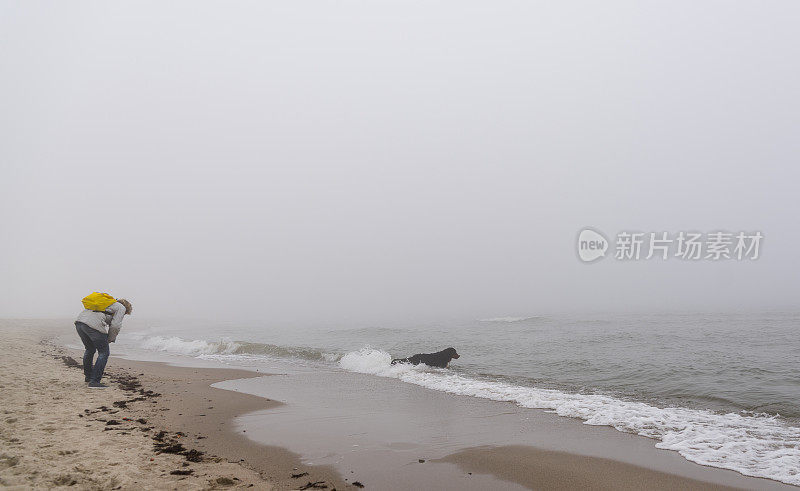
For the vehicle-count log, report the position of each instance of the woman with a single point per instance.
(96, 330)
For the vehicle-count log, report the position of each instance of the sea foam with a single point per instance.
(754, 445)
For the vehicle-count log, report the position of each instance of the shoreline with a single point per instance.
(362, 422)
(179, 404)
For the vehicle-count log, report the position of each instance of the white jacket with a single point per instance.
(109, 321)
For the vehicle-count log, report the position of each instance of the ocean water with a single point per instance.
(721, 389)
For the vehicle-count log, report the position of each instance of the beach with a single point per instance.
(164, 427)
(400, 246)
(155, 427)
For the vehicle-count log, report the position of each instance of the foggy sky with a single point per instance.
(369, 161)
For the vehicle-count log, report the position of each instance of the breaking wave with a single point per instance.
(201, 348)
(508, 319)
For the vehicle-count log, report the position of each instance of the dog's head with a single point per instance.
(451, 352)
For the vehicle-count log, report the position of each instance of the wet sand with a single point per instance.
(546, 469)
(188, 404)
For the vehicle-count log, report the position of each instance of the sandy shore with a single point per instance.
(164, 427)
(156, 427)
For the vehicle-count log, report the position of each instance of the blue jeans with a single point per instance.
(93, 340)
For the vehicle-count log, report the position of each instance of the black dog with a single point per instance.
(439, 360)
